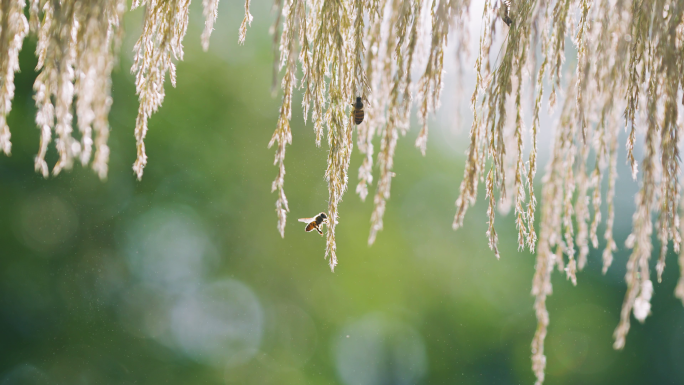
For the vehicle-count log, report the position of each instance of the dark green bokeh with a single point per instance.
(88, 295)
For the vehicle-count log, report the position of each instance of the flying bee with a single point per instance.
(358, 111)
(506, 14)
(507, 19)
(315, 222)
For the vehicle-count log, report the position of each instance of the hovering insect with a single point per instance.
(506, 14)
(507, 19)
(358, 111)
(315, 222)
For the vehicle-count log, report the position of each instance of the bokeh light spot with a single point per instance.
(379, 350)
(292, 335)
(46, 222)
(170, 247)
(220, 324)
(25, 374)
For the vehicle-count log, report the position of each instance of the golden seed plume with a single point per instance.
(164, 27)
(13, 29)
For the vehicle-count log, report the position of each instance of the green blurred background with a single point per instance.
(182, 278)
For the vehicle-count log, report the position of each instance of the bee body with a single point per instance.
(358, 111)
(506, 13)
(315, 222)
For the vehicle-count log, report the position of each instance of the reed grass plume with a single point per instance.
(615, 56)
(13, 28)
(628, 75)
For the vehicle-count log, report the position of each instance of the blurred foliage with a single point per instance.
(183, 278)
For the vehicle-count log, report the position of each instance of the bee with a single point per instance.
(507, 19)
(315, 222)
(506, 14)
(358, 111)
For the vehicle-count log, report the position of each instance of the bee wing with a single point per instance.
(306, 220)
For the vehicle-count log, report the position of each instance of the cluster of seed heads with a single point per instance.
(628, 48)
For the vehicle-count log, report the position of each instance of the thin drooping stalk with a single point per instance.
(55, 62)
(210, 12)
(96, 55)
(476, 150)
(430, 85)
(247, 21)
(492, 116)
(332, 56)
(583, 94)
(549, 236)
(532, 162)
(639, 286)
(520, 212)
(609, 80)
(557, 47)
(404, 19)
(13, 29)
(360, 86)
(639, 31)
(366, 131)
(669, 196)
(164, 27)
(304, 58)
(610, 247)
(278, 10)
(283, 134)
